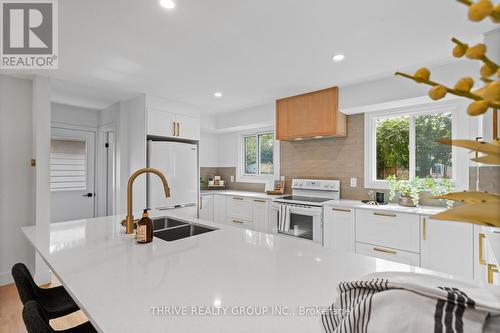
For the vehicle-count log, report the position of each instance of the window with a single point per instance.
(403, 143)
(258, 156)
(67, 165)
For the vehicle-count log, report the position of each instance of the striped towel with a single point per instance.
(410, 302)
(284, 218)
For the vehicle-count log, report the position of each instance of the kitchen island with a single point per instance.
(227, 280)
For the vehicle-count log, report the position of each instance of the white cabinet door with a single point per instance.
(219, 208)
(485, 270)
(338, 228)
(161, 123)
(187, 127)
(261, 215)
(207, 207)
(447, 247)
(402, 257)
(390, 229)
(239, 208)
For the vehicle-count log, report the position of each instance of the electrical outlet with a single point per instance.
(232, 179)
(282, 178)
(354, 182)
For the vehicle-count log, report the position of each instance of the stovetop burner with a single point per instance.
(304, 198)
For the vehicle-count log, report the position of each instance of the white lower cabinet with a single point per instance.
(447, 247)
(239, 211)
(486, 270)
(206, 207)
(261, 215)
(338, 228)
(403, 257)
(219, 208)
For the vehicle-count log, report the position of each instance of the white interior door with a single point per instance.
(72, 172)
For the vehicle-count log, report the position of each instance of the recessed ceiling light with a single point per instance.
(338, 57)
(168, 4)
(217, 94)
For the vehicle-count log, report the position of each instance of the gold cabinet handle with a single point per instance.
(341, 210)
(201, 202)
(178, 129)
(260, 201)
(424, 229)
(378, 249)
(236, 198)
(491, 269)
(481, 254)
(239, 222)
(173, 128)
(384, 214)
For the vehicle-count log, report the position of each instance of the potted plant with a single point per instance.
(409, 190)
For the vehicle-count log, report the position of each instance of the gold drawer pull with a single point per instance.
(378, 249)
(424, 229)
(235, 198)
(491, 269)
(240, 222)
(341, 210)
(384, 214)
(261, 201)
(481, 254)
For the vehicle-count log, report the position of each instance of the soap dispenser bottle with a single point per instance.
(144, 232)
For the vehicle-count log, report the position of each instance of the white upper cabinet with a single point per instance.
(338, 226)
(187, 127)
(447, 247)
(173, 125)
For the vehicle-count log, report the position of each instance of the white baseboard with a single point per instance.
(6, 278)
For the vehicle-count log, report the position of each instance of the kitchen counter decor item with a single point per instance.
(483, 99)
(277, 188)
(409, 190)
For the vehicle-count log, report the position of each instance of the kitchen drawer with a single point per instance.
(390, 229)
(240, 223)
(239, 208)
(403, 257)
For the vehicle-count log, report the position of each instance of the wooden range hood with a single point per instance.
(310, 116)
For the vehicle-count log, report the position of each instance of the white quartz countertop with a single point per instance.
(422, 210)
(118, 282)
(257, 195)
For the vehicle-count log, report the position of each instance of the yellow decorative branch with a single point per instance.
(483, 58)
(468, 95)
(481, 9)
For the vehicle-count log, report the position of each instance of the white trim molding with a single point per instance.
(245, 178)
(460, 129)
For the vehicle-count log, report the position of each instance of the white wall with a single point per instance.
(394, 88)
(62, 114)
(209, 149)
(16, 175)
(227, 149)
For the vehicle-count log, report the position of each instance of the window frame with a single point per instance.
(459, 129)
(241, 176)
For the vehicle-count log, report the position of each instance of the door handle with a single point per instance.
(201, 202)
(88, 195)
(173, 129)
(239, 222)
(491, 269)
(481, 254)
(384, 214)
(178, 129)
(424, 229)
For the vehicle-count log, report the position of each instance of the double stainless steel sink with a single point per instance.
(170, 229)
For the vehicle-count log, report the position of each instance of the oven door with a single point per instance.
(305, 222)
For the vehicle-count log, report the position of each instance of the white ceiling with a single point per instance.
(253, 51)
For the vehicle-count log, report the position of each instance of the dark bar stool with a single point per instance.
(55, 302)
(36, 321)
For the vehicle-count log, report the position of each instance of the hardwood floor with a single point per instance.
(11, 320)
